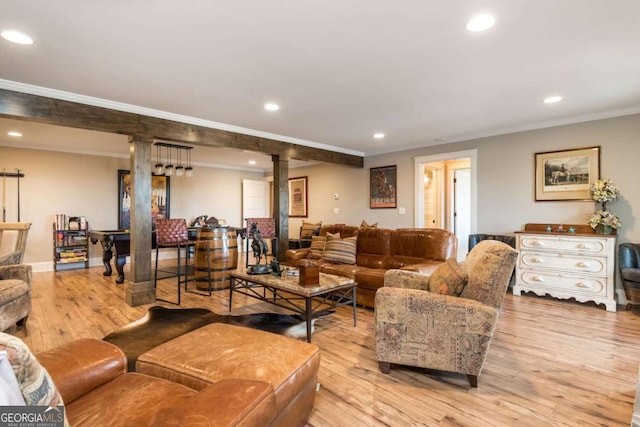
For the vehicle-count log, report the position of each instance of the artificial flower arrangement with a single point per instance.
(604, 217)
(603, 191)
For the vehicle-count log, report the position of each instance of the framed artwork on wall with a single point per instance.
(566, 174)
(298, 202)
(159, 199)
(382, 187)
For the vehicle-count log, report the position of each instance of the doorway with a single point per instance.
(445, 194)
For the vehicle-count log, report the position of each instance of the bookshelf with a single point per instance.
(70, 243)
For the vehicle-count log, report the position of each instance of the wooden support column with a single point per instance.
(139, 289)
(281, 203)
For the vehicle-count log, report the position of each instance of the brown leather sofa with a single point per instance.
(91, 376)
(381, 249)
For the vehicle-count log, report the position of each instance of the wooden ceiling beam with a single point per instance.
(24, 106)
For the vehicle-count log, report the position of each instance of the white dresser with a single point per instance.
(564, 265)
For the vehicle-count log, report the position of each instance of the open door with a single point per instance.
(445, 194)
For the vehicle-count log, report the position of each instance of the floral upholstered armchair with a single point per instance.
(419, 320)
(15, 295)
(13, 242)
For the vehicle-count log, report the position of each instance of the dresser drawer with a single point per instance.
(568, 263)
(566, 283)
(591, 246)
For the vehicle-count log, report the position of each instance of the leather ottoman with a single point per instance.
(219, 351)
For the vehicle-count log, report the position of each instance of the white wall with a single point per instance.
(87, 185)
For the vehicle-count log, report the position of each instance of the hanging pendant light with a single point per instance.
(189, 170)
(179, 168)
(159, 167)
(168, 169)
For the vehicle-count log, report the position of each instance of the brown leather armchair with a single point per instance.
(448, 333)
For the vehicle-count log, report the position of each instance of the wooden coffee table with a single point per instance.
(332, 291)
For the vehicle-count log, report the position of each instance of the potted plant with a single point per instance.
(604, 221)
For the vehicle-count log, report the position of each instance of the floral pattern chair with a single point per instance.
(15, 295)
(13, 242)
(419, 328)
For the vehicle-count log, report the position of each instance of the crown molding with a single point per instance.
(546, 124)
(134, 109)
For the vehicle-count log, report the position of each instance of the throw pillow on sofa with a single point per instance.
(364, 224)
(309, 229)
(448, 279)
(317, 246)
(340, 251)
(34, 381)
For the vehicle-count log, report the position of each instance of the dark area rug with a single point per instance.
(162, 324)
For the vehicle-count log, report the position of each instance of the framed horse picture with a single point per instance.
(382, 187)
(567, 174)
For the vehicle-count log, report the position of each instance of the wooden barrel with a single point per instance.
(222, 246)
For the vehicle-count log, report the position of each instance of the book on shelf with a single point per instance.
(66, 222)
(72, 259)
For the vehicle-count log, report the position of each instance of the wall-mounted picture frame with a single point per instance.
(298, 199)
(566, 174)
(159, 199)
(382, 187)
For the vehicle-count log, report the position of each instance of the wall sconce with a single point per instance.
(168, 169)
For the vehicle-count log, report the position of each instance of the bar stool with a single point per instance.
(173, 233)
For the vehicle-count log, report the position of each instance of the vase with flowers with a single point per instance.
(604, 221)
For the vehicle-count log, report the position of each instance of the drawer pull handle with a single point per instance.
(537, 243)
(537, 279)
(538, 260)
(582, 264)
(581, 246)
(581, 285)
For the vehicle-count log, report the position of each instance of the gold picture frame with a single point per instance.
(298, 199)
(566, 174)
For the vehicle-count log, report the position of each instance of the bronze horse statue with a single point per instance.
(258, 245)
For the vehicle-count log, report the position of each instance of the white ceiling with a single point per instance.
(340, 70)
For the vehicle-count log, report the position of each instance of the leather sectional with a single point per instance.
(381, 249)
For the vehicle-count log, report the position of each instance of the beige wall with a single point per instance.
(87, 185)
(505, 175)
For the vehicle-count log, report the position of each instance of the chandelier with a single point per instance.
(168, 169)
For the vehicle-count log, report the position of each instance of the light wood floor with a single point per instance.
(551, 363)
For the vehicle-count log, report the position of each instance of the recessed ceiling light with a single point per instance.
(378, 135)
(552, 99)
(271, 107)
(14, 134)
(16, 37)
(252, 162)
(480, 22)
